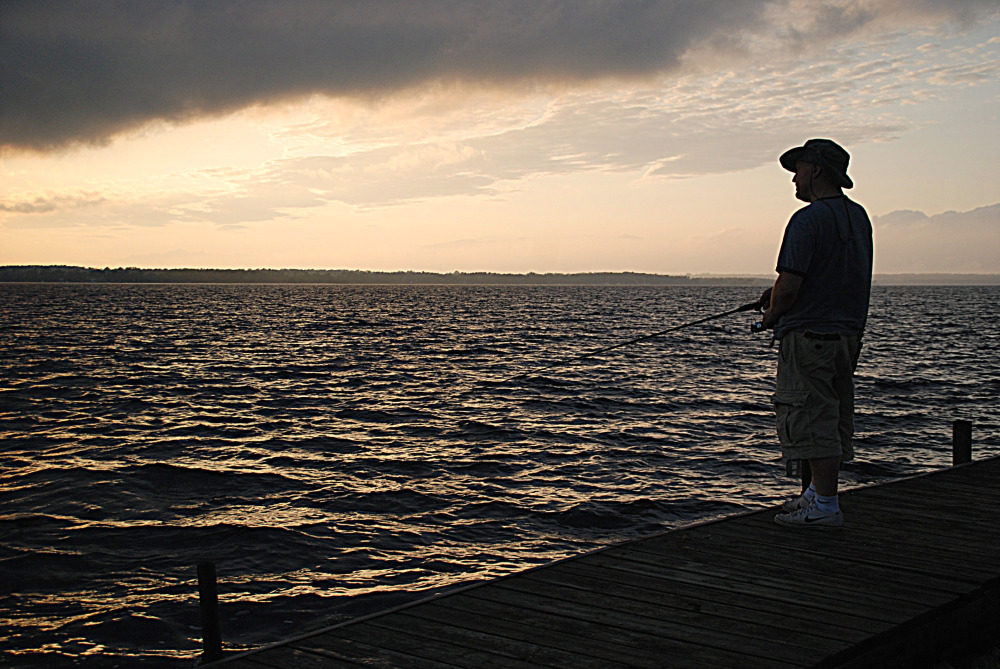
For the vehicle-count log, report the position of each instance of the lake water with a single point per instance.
(341, 449)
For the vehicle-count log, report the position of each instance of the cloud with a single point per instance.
(912, 241)
(110, 209)
(687, 126)
(74, 73)
(44, 204)
(697, 125)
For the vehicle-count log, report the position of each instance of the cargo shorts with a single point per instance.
(814, 395)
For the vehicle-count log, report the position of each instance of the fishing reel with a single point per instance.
(762, 305)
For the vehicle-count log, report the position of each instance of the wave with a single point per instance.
(337, 449)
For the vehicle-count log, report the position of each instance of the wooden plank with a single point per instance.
(877, 530)
(983, 471)
(908, 533)
(355, 646)
(878, 540)
(779, 561)
(671, 622)
(721, 543)
(407, 647)
(931, 515)
(933, 509)
(949, 491)
(950, 542)
(473, 649)
(557, 637)
(979, 476)
(720, 585)
(738, 606)
(981, 465)
(955, 488)
(730, 568)
(602, 640)
(255, 661)
(509, 652)
(949, 564)
(285, 657)
(879, 543)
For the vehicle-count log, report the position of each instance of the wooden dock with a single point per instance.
(913, 573)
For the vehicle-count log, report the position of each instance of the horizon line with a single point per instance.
(624, 272)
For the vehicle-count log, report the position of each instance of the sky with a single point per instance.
(501, 136)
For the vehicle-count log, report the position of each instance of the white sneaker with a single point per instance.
(796, 503)
(811, 517)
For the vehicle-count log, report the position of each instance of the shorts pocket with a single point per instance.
(790, 413)
(817, 354)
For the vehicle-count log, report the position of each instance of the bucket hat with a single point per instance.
(823, 152)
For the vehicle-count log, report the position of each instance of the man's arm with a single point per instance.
(786, 289)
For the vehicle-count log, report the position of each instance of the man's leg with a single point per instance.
(825, 475)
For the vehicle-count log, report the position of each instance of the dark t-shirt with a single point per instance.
(829, 244)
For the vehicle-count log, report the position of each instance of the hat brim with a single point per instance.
(790, 158)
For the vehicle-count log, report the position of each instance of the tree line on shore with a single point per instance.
(73, 274)
(70, 274)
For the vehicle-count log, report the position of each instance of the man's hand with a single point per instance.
(780, 298)
(765, 300)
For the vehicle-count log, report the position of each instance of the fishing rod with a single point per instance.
(752, 306)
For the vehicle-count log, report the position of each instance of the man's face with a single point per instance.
(803, 180)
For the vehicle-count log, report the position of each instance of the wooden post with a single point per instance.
(801, 469)
(208, 595)
(961, 442)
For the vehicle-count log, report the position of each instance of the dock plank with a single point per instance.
(841, 574)
(820, 594)
(293, 658)
(504, 653)
(525, 629)
(776, 613)
(665, 620)
(796, 560)
(403, 647)
(916, 567)
(950, 563)
(605, 639)
(888, 531)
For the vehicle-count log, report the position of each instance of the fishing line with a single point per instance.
(752, 306)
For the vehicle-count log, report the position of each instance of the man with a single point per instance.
(818, 308)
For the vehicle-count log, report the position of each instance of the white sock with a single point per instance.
(810, 493)
(827, 504)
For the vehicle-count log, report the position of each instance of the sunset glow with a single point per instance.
(508, 137)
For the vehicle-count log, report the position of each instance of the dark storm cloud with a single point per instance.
(81, 72)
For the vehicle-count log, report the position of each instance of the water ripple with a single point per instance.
(338, 449)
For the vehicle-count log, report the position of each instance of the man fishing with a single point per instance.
(818, 308)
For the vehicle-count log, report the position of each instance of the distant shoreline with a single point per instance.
(72, 274)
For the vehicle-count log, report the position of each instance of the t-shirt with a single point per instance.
(829, 244)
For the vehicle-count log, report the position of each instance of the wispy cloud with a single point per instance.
(688, 126)
(43, 204)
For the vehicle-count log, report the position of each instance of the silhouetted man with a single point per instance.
(818, 308)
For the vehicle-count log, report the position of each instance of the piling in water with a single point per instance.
(961, 442)
(211, 631)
